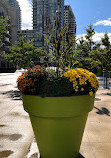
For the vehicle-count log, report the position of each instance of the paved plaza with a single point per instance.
(16, 135)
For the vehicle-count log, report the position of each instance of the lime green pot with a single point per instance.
(58, 123)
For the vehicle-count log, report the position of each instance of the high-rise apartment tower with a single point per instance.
(10, 36)
(44, 13)
(69, 20)
(15, 4)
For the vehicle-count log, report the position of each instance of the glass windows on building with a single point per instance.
(46, 9)
(69, 19)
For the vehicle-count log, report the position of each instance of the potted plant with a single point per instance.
(58, 107)
(59, 98)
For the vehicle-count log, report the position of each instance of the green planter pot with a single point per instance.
(58, 123)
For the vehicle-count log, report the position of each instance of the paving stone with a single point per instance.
(102, 150)
(86, 150)
(16, 132)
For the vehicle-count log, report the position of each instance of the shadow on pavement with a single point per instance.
(102, 111)
(80, 156)
(5, 85)
(5, 153)
(107, 94)
(13, 137)
(35, 155)
(16, 114)
(97, 99)
(15, 95)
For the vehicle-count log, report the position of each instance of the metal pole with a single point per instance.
(109, 78)
(104, 78)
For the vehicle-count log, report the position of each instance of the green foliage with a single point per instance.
(55, 86)
(105, 41)
(4, 27)
(102, 57)
(22, 53)
(89, 34)
(51, 71)
(83, 48)
(61, 48)
(88, 52)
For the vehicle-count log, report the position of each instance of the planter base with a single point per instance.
(58, 123)
(60, 137)
(79, 156)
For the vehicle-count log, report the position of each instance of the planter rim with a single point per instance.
(57, 96)
(58, 106)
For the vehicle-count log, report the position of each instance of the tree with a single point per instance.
(102, 56)
(105, 41)
(83, 49)
(89, 34)
(4, 27)
(22, 54)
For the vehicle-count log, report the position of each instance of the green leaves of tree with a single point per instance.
(22, 53)
(4, 27)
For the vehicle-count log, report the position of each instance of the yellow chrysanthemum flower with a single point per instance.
(76, 90)
(82, 89)
(91, 93)
(83, 77)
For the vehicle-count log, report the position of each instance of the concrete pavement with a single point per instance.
(16, 135)
(96, 141)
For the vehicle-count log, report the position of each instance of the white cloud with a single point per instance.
(79, 36)
(26, 14)
(103, 22)
(97, 36)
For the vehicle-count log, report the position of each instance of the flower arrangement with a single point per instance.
(45, 82)
(58, 81)
(29, 80)
(83, 81)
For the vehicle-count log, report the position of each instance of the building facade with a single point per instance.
(69, 20)
(11, 36)
(8, 11)
(44, 15)
(15, 4)
(44, 12)
(32, 34)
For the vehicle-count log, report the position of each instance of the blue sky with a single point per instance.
(95, 12)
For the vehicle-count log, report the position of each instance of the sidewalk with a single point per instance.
(96, 142)
(16, 135)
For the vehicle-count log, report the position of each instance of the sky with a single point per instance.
(94, 12)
